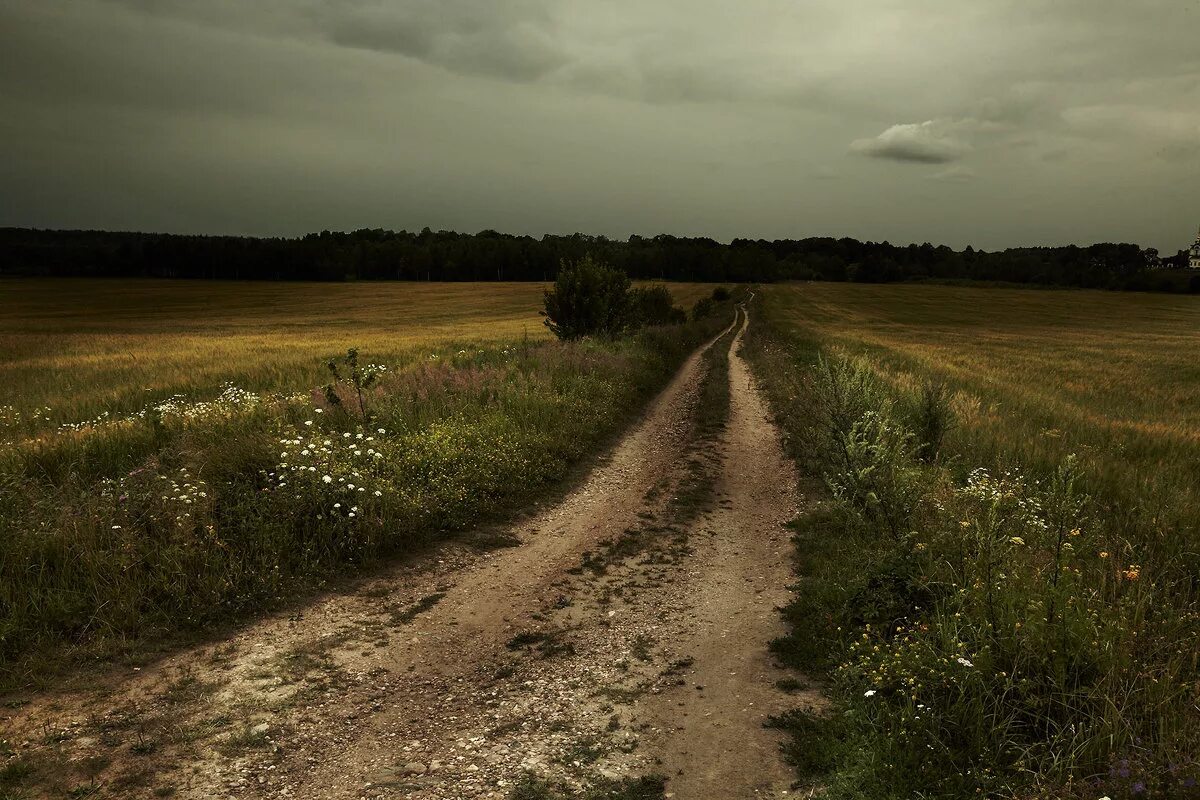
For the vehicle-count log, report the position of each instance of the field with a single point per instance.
(174, 454)
(1111, 377)
(1009, 553)
(85, 347)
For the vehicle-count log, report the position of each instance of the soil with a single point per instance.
(622, 632)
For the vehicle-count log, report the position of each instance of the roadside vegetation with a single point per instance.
(195, 510)
(999, 588)
(83, 349)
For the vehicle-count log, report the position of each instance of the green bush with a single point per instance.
(589, 299)
(653, 305)
(705, 307)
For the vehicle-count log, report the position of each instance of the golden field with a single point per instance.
(1038, 374)
(82, 347)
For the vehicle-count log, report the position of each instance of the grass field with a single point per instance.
(82, 347)
(1008, 564)
(1111, 377)
(168, 514)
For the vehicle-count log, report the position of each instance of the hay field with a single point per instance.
(1039, 374)
(82, 347)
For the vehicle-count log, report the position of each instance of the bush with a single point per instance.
(720, 295)
(589, 299)
(653, 305)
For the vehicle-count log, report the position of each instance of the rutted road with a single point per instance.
(623, 636)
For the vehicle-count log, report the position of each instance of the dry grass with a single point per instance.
(82, 346)
(1038, 374)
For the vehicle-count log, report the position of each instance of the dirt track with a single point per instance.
(626, 634)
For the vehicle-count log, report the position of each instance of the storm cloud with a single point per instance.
(986, 123)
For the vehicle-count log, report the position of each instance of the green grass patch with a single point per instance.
(993, 616)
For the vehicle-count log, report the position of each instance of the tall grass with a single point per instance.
(191, 512)
(993, 620)
(74, 349)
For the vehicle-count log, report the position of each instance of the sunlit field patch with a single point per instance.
(73, 350)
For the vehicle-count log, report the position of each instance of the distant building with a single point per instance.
(1194, 258)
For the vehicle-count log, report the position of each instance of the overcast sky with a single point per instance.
(987, 122)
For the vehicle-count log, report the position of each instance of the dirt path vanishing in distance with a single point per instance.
(622, 632)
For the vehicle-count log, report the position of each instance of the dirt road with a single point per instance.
(622, 632)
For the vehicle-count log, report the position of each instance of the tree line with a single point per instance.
(373, 254)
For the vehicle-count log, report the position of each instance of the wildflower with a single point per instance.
(116, 527)
(1104, 554)
(1133, 572)
(308, 422)
(319, 410)
(869, 693)
(327, 478)
(965, 662)
(1017, 540)
(378, 493)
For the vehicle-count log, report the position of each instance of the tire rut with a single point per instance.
(623, 636)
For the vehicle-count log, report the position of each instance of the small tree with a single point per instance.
(653, 305)
(588, 299)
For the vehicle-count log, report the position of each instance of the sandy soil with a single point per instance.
(621, 632)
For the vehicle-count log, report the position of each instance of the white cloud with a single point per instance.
(929, 142)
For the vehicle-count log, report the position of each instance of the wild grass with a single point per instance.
(201, 509)
(74, 349)
(1002, 584)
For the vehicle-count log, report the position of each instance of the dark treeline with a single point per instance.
(449, 256)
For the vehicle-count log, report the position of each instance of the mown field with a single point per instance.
(178, 454)
(84, 347)
(1005, 575)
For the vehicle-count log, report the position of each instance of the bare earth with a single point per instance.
(626, 634)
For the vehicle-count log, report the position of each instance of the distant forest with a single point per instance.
(492, 256)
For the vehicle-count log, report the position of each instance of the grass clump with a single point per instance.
(997, 629)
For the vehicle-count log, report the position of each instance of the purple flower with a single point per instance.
(1139, 787)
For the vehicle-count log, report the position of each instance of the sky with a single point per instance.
(993, 123)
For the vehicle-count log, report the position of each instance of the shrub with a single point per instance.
(589, 299)
(705, 307)
(653, 305)
(720, 295)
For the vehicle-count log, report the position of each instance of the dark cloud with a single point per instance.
(689, 116)
(510, 41)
